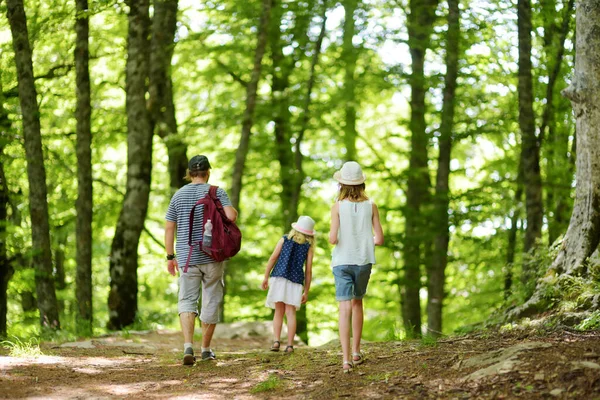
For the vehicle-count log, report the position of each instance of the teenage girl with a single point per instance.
(355, 230)
(286, 269)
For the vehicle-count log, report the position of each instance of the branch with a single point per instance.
(117, 190)
(235, 76)
(51, 74)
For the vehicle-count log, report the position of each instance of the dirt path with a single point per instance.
(561, 365)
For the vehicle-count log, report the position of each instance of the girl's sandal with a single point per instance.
(349, 369)
(289, 349)
(358, 358)
(275, 346)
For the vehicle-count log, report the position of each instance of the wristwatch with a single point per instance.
(170, 257)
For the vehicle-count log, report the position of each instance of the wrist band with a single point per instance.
(170, 257)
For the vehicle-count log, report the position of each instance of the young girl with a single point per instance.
(287, 276)
(355, 230)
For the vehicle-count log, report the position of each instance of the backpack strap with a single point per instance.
(212, 192)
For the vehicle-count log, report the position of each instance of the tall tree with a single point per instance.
(420, 22)
(36, 172)
(530, 144)
(349, 58)
(558, 178)
(439, 260)
(290, 157)
(122, 298)
(5, 263)
(251, 95)
(83, 114)
(161, 104)
(583, 235)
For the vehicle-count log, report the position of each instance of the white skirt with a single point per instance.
(285, 291)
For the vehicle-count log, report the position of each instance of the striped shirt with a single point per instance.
(179, 212)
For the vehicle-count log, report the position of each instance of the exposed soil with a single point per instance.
(563, 365)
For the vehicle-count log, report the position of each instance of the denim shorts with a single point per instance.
(351, 281)
(207, 278)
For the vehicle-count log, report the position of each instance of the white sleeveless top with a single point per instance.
(355, 236)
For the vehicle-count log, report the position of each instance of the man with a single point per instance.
(203, 272)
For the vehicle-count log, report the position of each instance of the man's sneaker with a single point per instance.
(188, 356)
(208, 355)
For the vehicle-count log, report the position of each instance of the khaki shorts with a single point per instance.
(210, 278)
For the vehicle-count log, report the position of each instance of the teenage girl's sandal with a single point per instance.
(275, 346)
(289, 349)
(358, 358)
(349, 369)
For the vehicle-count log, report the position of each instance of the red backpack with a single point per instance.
(226, 236)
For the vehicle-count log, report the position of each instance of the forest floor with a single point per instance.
(562, 364)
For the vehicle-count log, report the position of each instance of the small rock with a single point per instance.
(539, 376)
(557, 392)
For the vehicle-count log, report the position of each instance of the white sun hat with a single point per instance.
(305, 225)
(350, 174)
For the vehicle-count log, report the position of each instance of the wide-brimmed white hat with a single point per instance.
(350, 174)
(305, 225)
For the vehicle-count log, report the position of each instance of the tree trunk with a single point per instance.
(280, 73)
(6, 269)
(558, 177)
(420, 20)
(530, 145)
(84, 204)
(439, 260)
(248, 118)
(36, 172)
(60, 281)
(161, 104)
(122, 299)
(583, 234)
(290, 159)
(349, 57)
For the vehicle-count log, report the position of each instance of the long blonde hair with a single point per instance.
(354, 193)
(300, 237)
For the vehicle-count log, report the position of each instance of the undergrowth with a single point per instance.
(23, 348)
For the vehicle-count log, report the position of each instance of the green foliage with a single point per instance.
(429, 341)
(272, 383)
(215, 43)
(590, 323)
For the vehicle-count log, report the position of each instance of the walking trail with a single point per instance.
(147, 365)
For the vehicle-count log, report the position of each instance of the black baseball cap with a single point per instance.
(199, 163)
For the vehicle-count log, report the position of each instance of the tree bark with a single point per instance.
(583, 234)
(349, 57)
(530, 145)
(248, 118)
(280, 104)
(122, 299)
(161, 103)
(84, 204)
(439, 259)
(558, 178)
(290, 158)
(36, 172)
(6, 269)
(420, 20)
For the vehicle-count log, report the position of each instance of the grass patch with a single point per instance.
(20, 348)
(429, 341)
(272, 383)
